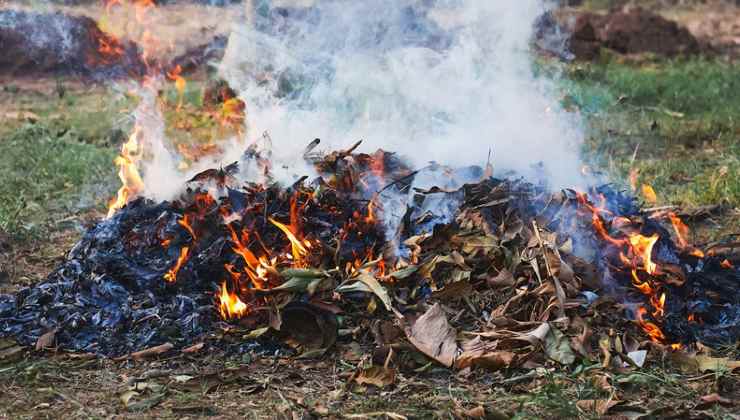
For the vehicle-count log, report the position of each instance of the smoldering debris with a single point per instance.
(516, 274)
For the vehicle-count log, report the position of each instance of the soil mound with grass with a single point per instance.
(35, 44)
(630, 31)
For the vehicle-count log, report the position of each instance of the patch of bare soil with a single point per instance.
(716, 24)
(631, 30)
(221, 384)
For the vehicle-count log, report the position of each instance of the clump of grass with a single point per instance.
(673, 122)
(42, 169)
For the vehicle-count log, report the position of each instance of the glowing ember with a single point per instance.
(229, 304)
(726, 264)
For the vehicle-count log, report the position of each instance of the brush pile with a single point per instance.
(495, 273)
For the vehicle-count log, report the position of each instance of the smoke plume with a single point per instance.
(443, 81)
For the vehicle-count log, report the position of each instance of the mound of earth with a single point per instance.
(630, 31)
(35, 44)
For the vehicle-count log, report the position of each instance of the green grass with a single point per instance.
(679, 119)
(45, 169)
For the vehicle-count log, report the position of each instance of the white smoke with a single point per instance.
(445, 81)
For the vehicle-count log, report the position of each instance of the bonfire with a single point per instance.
(476, 272)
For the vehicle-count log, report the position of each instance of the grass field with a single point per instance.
(674, 123)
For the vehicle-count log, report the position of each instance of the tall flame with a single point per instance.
(298, 248)
(128, 172)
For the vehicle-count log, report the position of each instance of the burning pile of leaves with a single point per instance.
(497, 273)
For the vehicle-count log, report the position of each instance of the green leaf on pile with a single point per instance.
(300, 285)
(404, 272)
(557, 347)
(302, 273)
(366, 282)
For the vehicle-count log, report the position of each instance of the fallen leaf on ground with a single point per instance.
(502, 279)
(477, 353)
(308, 326)
(194, 348)
(208, 382)
(433, 336)
(700, 363)
(127, 396)
(712, 399)
(454, 291)
(557, 347)
(46, 341)
(377, 376)
(150, 352)
(599, 407)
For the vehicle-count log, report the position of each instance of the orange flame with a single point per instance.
(187, 222)
(652, 330)
(682, 232)
(680, 228)
(635, 254)
(298, 248)
(642, 246)
(230, 305)
(171, 275)
(128, 173)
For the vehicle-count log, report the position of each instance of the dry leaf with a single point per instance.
(715, 398)
(648, 193)
(46, 341)
(194, 348)
(371, 284)
(475, 413)
(700, 363)
(433, 336)
(454, 291)
(477, 353)
(308, 326)
(150, 352)
(716, 364)
(503, 278)
(600, 407)
(377, 376)
(127, 396)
